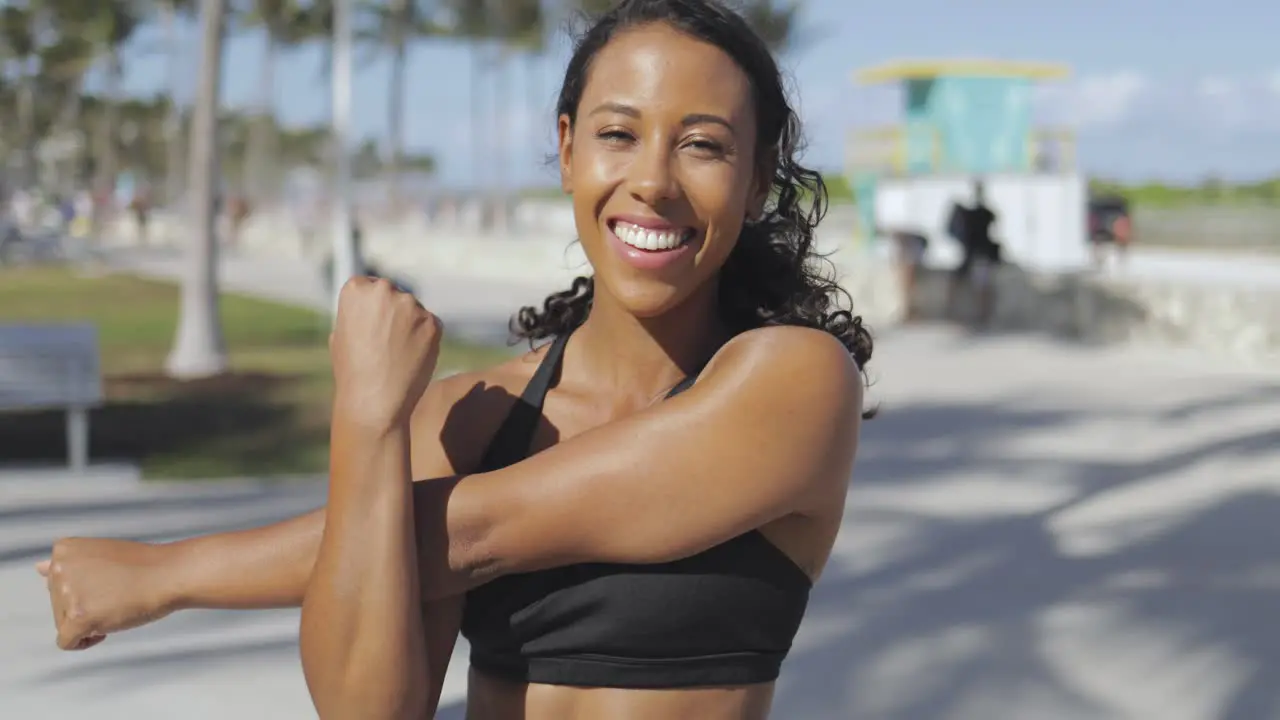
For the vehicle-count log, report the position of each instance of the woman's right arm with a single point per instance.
(102, 586)
(263, 567)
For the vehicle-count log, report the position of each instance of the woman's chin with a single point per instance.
(646, 299)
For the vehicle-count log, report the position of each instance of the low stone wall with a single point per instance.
(1226, 228)
(1242, 323)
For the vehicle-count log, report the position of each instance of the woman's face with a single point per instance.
(661, 165)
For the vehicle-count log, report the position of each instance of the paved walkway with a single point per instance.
(1035, 531)
(471, 307)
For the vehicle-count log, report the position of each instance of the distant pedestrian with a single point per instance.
(981, 256)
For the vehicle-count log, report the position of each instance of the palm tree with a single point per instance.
(522, 26)
(473, 22)
(284, 23)
(496, 26)
(19, 51)
(198, 349)
(170, 12)
(107, 25)
(777, 23)
(513, 25)
(397, 23)
(595, 8)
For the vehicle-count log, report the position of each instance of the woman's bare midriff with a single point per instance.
(492, 699)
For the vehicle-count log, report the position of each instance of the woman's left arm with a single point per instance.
(362, 640)
(769, 430)
(363, 646)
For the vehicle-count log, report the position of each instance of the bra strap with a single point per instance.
(511, 443)
(683, 385)
(535, 393)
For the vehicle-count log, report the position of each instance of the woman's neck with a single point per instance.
(643, 357)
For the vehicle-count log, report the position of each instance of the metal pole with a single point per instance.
(346, 260)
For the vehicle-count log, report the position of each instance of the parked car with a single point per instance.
(1110, 224)
(1109, 220)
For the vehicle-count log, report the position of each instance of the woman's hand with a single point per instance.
(384, 350)
(101, 586)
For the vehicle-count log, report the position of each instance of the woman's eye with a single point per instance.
(706, 147)
(614, 137)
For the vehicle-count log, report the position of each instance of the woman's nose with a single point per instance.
(652, 178)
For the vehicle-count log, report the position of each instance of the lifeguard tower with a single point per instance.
(963, 120)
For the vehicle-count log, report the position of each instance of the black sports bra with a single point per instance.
(726, 616)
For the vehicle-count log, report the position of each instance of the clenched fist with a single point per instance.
(384, 349)
(98, 586)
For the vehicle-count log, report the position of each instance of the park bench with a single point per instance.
(52, 367)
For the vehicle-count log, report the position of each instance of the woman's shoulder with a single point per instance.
(510, 375)
(462, 411)
(785, 367)
(807, 353)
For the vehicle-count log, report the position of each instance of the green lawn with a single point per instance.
(268, 415)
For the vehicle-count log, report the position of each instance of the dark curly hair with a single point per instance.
(773, 276)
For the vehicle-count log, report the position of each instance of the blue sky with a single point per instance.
(1160, 90)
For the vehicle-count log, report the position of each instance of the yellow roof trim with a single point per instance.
(926, 69)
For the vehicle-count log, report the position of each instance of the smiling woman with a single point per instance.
(625, 522)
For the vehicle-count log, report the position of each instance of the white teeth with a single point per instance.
(637, 236)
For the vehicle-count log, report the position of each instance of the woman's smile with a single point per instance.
(650, 244)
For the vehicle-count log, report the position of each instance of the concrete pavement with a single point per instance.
(476, 308)
(1035, 531)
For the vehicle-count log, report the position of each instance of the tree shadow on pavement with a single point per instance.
(1071, 586)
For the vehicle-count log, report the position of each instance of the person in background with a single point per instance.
(910, 247)
(238, 209)
(140, 206)
(981, 255)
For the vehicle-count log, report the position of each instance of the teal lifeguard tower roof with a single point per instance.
(960, 116)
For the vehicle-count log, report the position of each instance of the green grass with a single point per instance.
(268, 415)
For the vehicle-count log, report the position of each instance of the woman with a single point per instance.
(625, 522)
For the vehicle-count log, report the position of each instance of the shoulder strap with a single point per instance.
(683, 385)
(511, 443)
(687, 382)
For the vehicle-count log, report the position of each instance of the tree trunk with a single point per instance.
(27, 126)
(71, 170)
(173, 123)
(477, 114)
(198, 349)
(502, 141)
(260, 148)
(110, 128)
(395, 120)
(537, 120)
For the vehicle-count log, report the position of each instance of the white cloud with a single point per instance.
(1217, 88)
(1094, 101)
(1226, 103)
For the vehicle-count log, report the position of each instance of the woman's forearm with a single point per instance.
(363, 650)
(270, 566)
(261, 568)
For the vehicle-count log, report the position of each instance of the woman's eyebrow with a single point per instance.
(687, 120)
